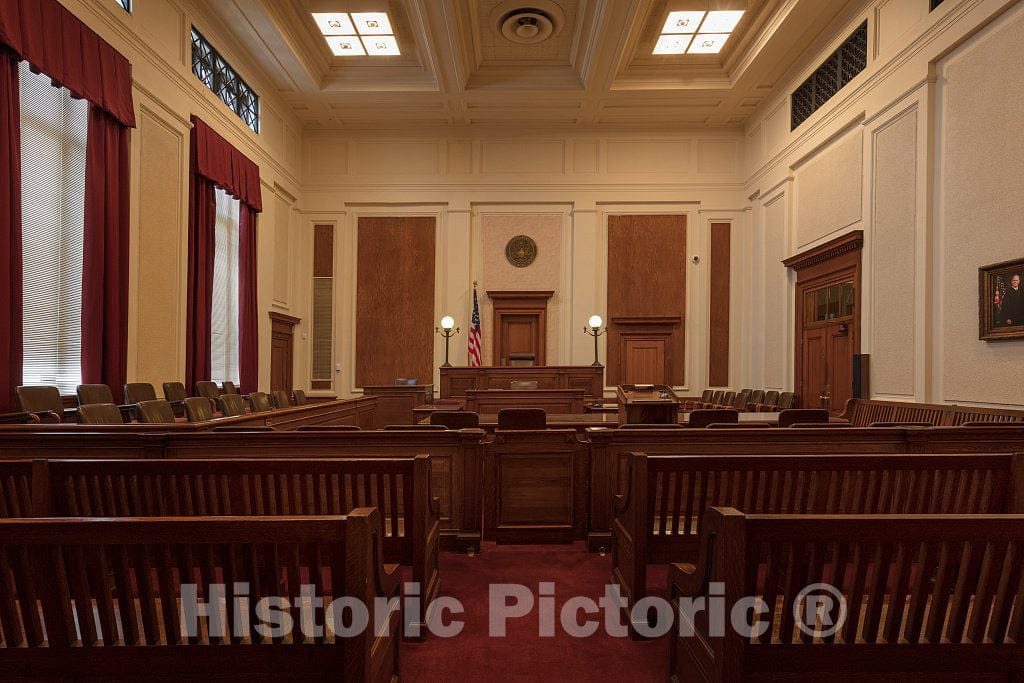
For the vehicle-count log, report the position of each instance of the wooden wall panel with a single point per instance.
(718, 345)
(322, 351)
(646, 287)
(395, 300)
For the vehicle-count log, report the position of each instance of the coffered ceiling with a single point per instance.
(457, 67)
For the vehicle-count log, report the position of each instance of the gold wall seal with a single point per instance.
(521, 251)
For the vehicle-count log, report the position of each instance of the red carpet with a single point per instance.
(523, 655)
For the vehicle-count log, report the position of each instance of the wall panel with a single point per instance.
(829, 189)
(894, 277)
(981, 197)
(721, 275)
(158, 337)
(395, 299)
(646, 283)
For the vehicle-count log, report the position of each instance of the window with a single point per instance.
(835, 72)
(211, 69)
(224, 319)
(54, 131)
(125, 4)
(829, 303)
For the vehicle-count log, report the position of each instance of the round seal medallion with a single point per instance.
(521, 251)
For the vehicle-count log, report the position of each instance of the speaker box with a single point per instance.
(861, 375)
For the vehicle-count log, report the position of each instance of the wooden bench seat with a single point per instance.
(864, 413)
(455, 458)
(660, 517)
(98, 598)
(610, 450)
(928, 597)
(399, 488)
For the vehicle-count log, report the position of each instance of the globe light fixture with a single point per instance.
(594, 330)
(446, 330)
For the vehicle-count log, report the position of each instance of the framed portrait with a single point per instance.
(1001, 301)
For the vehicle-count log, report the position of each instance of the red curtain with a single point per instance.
(202, 244)
(105, 258)
(216, 163)
(229, 169)
(248, 324)
(11, 339)
(56, 42)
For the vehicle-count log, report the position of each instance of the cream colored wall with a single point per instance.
(156, 39)
(559, 188)
(919, 151)
(547, 272)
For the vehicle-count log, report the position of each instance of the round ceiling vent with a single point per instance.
(528, 24)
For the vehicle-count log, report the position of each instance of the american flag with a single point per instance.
(475, 338)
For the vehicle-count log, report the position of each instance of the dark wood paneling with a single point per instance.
(535, 487)
(647, 278)
(323, 251)
(395, 300)
(718, 348)
(397, 402)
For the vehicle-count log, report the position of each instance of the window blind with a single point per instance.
(224, 323)
(54, 130)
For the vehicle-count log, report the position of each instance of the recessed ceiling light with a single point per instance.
(381, 45)
(672, 45)
(682, 22)
(372, 23)
(721, 22)
(708, 43)
(334, 23)
(345, 46)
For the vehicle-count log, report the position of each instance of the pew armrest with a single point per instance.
(684, 579)
(389, 580)
(19, 418)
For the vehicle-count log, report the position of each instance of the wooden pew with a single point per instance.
(398, 487)
(456, 458)
(661, 515)
(928, 598)
(357, 411)
(864, 412)
(611, 448)
(535, 486)
(97, 597)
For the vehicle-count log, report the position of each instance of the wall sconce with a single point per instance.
(447, 330)
(594, 330)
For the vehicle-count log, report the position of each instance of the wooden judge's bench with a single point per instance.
(456, 381)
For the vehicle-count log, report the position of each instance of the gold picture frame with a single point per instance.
(1001, 301)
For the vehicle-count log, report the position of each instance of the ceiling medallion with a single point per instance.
(521, 251)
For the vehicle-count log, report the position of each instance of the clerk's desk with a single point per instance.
(456, 381)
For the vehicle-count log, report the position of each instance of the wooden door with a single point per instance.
(520, 325)
(282, 351)
(827, 321)
(519, 334)
(644, 361)
(815, 366)
(827, 367)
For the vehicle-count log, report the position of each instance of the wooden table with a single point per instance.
(581, 422)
